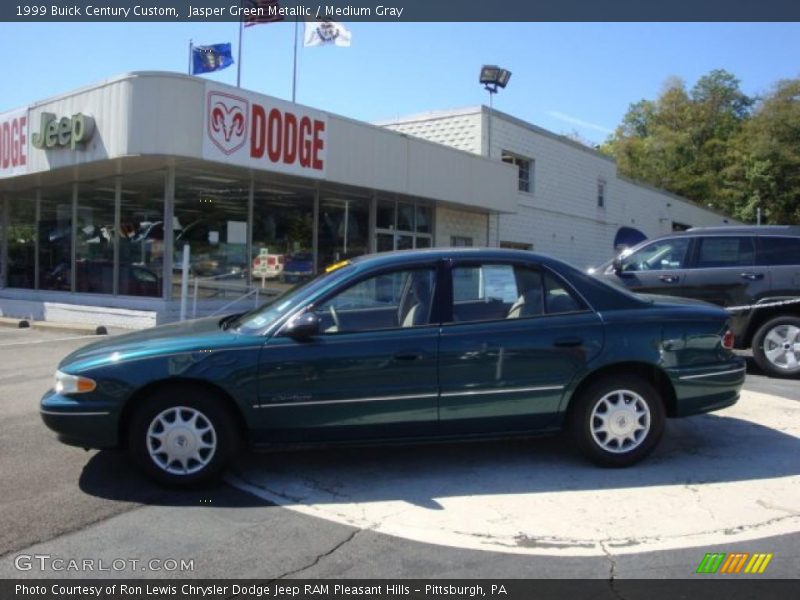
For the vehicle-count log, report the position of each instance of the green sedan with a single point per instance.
(414, 345)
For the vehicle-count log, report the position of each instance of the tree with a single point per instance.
(764, 162)
(680, 141)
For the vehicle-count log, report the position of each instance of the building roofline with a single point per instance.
(483, 109)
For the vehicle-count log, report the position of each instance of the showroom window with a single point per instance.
(210, 216)
(403, 225)
(94, 237)
(54, 230)
(21, 234)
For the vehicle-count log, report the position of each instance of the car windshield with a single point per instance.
(267, 314)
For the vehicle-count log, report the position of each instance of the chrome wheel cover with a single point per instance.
(620, 421)
(782, 347)
(181, 440)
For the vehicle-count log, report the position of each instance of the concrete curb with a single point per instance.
(50, 326)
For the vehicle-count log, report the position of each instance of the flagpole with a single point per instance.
(239, 61)
(294, 72)
(190, 56)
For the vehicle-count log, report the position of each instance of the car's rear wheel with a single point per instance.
(617, 421)
(182, 437)
(776, 346)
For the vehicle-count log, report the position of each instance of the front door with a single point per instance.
(370, 373)
(657, 268)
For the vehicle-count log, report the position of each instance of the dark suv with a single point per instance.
(752, 271)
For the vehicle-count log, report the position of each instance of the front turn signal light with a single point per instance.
(73, 384)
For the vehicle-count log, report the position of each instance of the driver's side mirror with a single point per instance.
(617, 265)
(302, 327)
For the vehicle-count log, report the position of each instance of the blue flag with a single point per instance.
(206, 59)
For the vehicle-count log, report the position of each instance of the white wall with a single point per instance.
(450, 222)
(560, 215)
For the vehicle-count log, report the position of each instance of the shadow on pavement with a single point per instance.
(110, 475)
(701, 449)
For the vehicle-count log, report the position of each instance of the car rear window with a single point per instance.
(779, 251)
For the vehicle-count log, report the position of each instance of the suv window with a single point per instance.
(779, 251)
(658, 256)
(725, 252)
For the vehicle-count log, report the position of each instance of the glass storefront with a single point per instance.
(210, 217)
(402, 225)
(21, 236)
(107, 236)
(94, 238)
(55, 239)
(141, 234)
(283, 233)
(343, 229)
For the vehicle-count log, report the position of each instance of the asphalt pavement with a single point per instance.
(490, 509)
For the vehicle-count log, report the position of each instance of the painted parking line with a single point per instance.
(86, 337)
(726, 477)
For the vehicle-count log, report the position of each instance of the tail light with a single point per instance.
(271, 261)
(727, 340)
(256, 262)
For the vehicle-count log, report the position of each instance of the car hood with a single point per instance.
(176, 338)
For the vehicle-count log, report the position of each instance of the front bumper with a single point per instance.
(705, 389)
(80, 423)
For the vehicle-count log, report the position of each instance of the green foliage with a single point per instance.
(717, 146)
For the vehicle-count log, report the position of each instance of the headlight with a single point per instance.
(73, 384)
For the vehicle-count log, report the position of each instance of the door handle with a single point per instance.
(408, 356)
(749, 275)
(670, 278)
(568, 342)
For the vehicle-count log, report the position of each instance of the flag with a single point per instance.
(267, 12)
(326, 32)
(206, 59)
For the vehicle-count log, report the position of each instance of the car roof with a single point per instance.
(743, 230)
(432, 254)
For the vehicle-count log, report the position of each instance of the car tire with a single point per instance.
(182, 437)
(776, 347)
(617, 421)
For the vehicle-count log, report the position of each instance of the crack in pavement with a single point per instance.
(313, 563)
(612, 574)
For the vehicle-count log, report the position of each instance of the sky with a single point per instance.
(570, 78)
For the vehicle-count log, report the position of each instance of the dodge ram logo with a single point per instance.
(227, 121)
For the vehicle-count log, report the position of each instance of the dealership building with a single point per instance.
(104, 188)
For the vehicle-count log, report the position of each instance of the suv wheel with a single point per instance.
(618, 421)
(182, 442)
(776, 346)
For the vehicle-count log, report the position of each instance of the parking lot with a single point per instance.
(724, 482)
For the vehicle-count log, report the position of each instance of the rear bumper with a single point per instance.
(84, 424)
(705, 389)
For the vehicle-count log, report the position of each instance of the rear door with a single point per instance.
(514, 336)
(781, 255)
(724, 271)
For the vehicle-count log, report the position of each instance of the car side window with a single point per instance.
(558, 299)
(384, 301)
(779, 251)
(660, 255)
(732, 251)
(492, 292)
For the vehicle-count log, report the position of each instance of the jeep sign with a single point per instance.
(67, 132)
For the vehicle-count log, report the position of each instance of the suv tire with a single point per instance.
(776, 346)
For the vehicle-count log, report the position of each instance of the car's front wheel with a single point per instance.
(617, 421)
(776, 346)
(182, 437)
